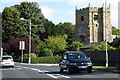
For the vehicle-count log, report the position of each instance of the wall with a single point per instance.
(99, 57)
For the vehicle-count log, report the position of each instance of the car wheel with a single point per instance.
(89, 70)
(61, 70)
(69, 70)
(12, 66)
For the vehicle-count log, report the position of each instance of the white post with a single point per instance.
(29, 60)
(1, 51)
(106, 33)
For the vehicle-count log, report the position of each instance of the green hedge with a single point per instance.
(51, 60)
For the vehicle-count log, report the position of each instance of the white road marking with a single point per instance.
(65, 76)
(10, 69)
(55, 76)
(34, 69)
(17, 66)
(52, 76)
(26, 67)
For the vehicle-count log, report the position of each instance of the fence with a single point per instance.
(99, 57)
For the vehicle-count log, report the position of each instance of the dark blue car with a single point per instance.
(75, 61)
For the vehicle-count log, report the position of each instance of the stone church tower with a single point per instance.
(90, 25)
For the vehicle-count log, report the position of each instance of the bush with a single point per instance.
(46, 52)
(33, 55)
(75, 46)
(48, 59)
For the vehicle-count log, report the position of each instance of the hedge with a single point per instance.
(51, 60)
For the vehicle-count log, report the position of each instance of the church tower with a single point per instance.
(90, 25)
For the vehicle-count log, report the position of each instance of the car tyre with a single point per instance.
(61, 70)
(89, 70)
(12, 66)
(69, 70)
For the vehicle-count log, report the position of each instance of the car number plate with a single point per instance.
(7, 63)
(82, 66)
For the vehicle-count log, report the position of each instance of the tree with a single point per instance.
(12, 46)
(11, 23)
(116, 42)
(115, 31)
(66, 28)
(56, 43)
(75, 46)
(102, 47)
(49, 30)
(31, 10)
(14, 27)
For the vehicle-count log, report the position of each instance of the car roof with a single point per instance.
(6, 56)
(73, 52)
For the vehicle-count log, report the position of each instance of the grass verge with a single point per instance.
(110, 69)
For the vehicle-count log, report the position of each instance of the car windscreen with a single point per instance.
(76, 56)
(6, 58)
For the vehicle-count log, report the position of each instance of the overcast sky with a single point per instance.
(64, 10)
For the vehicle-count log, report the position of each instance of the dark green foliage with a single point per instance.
(75, 46)
(46, 52)
(56, 43)
(65, 28)
(115, 31)
(51, 60)
(116, 42)
(102, 47)
(10, 23)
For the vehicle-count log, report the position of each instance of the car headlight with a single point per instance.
(89, 63)
(73, 63)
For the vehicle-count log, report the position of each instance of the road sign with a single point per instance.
(22, 45)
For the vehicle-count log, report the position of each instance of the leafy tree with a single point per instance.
(14, 27)
(75, 46)
(115, 31)
(66, 28)
(11, 23)
(12, 46)
(102, 47)
(31, 11)
(56, 43)
(46, 52)
(116, 42)
(49, 30)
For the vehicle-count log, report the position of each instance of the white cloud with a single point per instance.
(47, 12)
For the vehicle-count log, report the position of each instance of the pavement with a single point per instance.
(42, 64)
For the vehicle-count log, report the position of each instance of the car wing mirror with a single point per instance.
(65, 57)
(89, 58)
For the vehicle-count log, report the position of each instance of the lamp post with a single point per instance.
(29, 59)
(106, 33)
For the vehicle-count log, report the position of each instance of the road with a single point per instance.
(33, 72)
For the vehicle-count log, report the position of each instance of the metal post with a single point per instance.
(106, 33)
(29, 60)
(21, 55)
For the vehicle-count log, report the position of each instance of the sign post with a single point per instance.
(22, 47)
